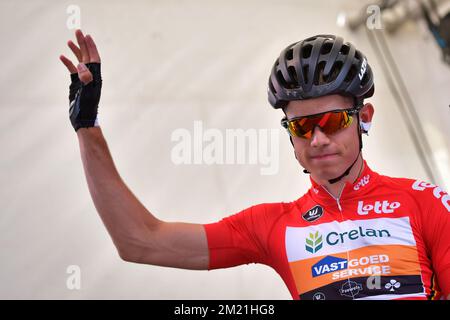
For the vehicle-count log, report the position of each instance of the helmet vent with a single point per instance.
(293, 75)
(351, 74)
(306, 51)
(345, 49)
(319, 77)
(281, 79)
(305, 73)
(289, 54)
(335, 71)
(326, 48)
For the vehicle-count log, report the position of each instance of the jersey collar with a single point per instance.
(365, 182)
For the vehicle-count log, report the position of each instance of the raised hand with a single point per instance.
(85, 52)
(85, 89)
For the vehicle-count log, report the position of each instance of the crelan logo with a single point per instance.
(314, 242)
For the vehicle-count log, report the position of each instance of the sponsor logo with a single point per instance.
(334, 238)
(366, 271)
(313, 214)
(438, 193)
(363, 69)
(327, 265)
(392, 285)
(342, 268)
(318, 296)
(350, 289)
(340, 237)
(362, 183)
(365, 266)
(314, 242)
(377, 207)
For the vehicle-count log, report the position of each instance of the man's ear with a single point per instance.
(366, 113)
(365, 117)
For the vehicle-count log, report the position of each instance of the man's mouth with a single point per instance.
(324, 156)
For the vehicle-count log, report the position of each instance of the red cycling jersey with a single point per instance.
(383, 238)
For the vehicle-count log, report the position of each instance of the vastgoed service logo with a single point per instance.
(341, 267)
(327, 265)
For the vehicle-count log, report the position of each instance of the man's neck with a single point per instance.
(335, 189)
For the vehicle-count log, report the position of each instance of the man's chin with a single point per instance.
(324, 174)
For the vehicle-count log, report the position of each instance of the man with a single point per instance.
(354, 235)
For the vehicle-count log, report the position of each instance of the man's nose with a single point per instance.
(319, 138)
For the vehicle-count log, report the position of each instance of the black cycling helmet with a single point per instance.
(319, 66)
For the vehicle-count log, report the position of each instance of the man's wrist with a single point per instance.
(87, 124)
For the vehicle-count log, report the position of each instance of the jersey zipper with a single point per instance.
(336, 199)
(342, 219)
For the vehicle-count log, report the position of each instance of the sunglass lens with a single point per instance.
(329, 122)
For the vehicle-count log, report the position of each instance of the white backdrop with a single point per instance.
(165, 65)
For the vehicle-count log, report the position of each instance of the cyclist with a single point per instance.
(355, 234)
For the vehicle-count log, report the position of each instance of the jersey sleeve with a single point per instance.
(239, 239)
(435, 217)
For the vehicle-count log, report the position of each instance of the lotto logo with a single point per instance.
(378, 207)
(438, 193)
(363, 69)
(363, 182)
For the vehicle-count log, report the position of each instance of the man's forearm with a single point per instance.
(126, 219)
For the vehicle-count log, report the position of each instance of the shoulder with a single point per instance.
(265, 212)
(399, 183)
(260, 216)
(273, 208)
(424, 193)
